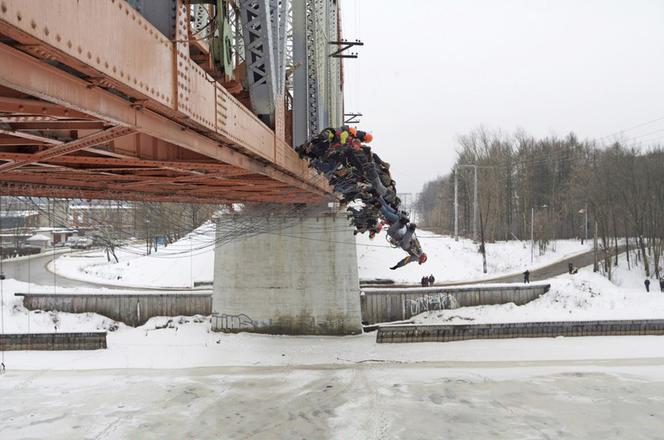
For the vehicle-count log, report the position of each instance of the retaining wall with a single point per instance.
(396, 304)
(132, 309)
(52, 341)
(461, 332)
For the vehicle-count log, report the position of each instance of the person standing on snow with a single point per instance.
(526, 277)
(647, 283)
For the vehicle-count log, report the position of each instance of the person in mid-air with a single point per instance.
(401, 233)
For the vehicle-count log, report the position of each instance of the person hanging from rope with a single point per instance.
(365, 219)
(317, 145)
(401, 233)
(411, 245)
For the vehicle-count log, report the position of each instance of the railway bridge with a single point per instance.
(196, 101)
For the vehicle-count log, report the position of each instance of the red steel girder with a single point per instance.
(72, 193)
(14, 142)
(216, 193)
(126, 161)
(36, 78)
(32, 137)
(27, 107)
(57, 125)
(98, 138)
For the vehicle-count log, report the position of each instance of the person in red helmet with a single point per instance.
(414, 254)
(402, 234)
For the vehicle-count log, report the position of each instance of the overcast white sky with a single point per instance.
(431, 70)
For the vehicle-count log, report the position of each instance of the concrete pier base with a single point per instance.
(295, 277)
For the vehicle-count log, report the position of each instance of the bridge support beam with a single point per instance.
(296, 277)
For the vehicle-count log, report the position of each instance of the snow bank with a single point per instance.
(17, 319)
(186, 342)
(584, 296)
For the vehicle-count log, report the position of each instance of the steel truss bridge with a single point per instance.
(166, 100)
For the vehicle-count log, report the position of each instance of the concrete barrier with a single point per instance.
(131, 308)
(461, 332)
(52, 341)
(396, 304)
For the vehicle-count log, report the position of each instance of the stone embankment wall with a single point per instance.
(396, 304)
(461, 332)
(52, 341)
(130, 308)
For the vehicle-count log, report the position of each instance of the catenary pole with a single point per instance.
(532, 235)
(475, 199)
(586, 224)
(456, 205)
(475, 206)
(595, 265)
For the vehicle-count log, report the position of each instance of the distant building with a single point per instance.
(118, 215)
(44, 238)
(19, 219)
(40, 241)
(15, 228)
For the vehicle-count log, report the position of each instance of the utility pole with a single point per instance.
(595, 265)
(456, 205)
(586, 224)
(475, 201)
(147, 236)
(532, 235)
(475, 206)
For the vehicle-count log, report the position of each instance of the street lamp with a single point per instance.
(532, 238)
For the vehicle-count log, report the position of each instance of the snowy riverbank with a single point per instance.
(187, 342)
(191, 260)
(579, 297)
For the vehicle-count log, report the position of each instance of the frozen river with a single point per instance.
(598, 400)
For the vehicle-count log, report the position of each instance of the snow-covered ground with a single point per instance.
(579, 297)
(174, 378)
(450, 260)
(611, 400)
(187, 342)
(179, 265)
(191, 259)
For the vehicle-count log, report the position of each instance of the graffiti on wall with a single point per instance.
(425, 303)
(236, 322)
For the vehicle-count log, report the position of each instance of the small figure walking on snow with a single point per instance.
(526, 277)
(647, 283)
(661, 284)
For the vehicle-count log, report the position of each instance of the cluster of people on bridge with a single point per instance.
(359, 174)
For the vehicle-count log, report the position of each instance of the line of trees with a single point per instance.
(558, 181)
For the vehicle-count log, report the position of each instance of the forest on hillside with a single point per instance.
(566, 186)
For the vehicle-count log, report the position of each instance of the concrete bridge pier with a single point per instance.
(293, 276)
